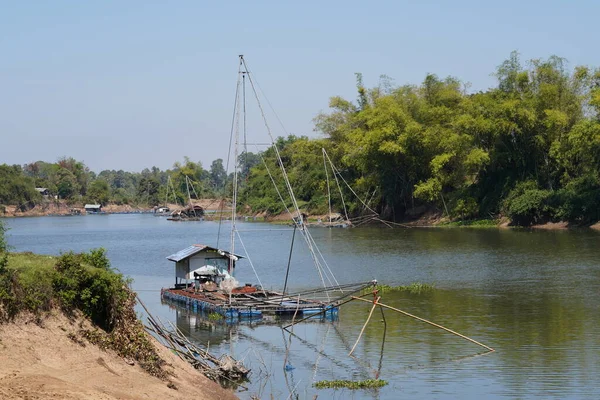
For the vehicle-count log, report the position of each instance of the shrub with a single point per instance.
(80, 283)
(97, 258)
(526, 204)
(3, 248)
(465, 208)
(579, 200)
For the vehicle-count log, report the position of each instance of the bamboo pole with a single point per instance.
(428, 322)
(321, 312)
(365, 325)
(287, 348)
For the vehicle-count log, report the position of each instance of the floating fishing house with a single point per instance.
(203, 282)
(93, 208)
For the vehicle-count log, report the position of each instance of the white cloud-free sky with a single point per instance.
(135, 84)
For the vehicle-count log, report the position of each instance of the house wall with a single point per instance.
(208, 258)
(181, 269)
(213, 258)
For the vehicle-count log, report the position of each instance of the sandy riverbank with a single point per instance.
(62, 208)
(42, 362)
(427, 219)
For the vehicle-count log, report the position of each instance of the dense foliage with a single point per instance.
(3, 248)
(71, 180)
(528, 149)
(17, 189)
(78, 284)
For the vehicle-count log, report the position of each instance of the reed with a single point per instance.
(413, 288)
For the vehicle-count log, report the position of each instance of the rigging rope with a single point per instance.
(299, 220)
(233, 118)
(250, 261)
(337, 172)
(327, 176)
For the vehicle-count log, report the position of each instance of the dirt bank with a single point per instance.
(552, 225)
(60, 207)
(42, 362)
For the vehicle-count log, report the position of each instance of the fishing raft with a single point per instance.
(202, 274)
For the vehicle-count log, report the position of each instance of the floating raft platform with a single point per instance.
(246, 303)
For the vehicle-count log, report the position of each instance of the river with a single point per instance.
(532, 295)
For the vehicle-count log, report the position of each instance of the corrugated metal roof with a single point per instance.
(195, 249)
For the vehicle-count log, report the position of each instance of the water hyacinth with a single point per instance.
(346, 384)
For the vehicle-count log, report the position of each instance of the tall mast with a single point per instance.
(235, 162)
(167, 195)
(187, 184)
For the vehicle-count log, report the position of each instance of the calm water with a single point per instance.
(534, 296)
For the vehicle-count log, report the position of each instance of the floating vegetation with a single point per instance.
(413, 288)
(213, 316)
(338, 384)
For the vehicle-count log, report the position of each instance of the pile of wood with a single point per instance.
(224, 369)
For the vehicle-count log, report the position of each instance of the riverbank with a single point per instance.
(213, 206)
(436, 220)
(60, 207)
(69, 330)
(44, 359)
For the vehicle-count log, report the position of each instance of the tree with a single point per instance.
(99, 192)
(148, 190)
(17, 189)
(66, 184)
(436, 145)
(217, 174)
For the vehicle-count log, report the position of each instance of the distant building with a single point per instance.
(43, 191)
(194, 210)
(93, 208)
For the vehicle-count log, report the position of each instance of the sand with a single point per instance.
(42, 362)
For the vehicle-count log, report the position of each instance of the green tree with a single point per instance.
(99, 192)
(148, 190)
(66, 184)
(17, 189)
(218, 176)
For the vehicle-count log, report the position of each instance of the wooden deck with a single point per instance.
(243, 304)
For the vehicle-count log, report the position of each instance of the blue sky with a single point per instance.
(132, 84)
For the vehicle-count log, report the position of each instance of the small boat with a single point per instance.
(193, 212)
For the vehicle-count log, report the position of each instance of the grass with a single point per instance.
(413, 288)
(338, 384)
(473, 223)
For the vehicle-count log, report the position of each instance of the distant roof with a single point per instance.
(198, 248)
(41, 189)
(92, 206)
